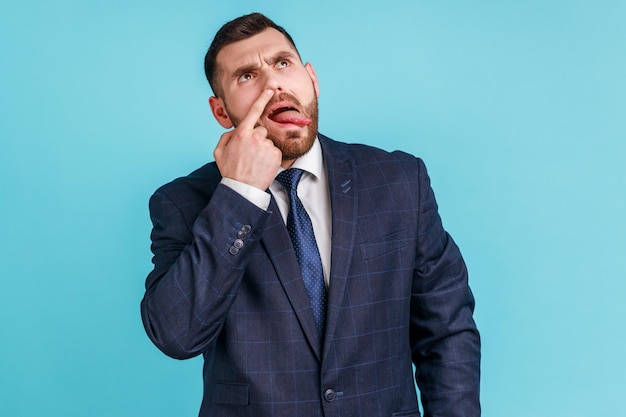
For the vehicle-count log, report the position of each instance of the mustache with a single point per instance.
(277, 98)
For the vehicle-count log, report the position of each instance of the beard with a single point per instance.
(292, 143)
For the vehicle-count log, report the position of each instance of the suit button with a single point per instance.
(330, 395)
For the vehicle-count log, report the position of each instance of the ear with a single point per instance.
(311, 71)
(219, 112)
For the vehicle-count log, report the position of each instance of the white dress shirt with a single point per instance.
(314, 193)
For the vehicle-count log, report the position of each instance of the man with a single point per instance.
(313, 302)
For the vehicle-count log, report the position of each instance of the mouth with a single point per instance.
(285, 113)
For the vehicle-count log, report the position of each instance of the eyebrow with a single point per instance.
(246, 68)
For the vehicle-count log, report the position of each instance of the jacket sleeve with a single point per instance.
(199, 263)
(444, 338)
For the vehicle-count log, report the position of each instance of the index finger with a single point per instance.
(256, 110)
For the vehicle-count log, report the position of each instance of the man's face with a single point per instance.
(269, 61)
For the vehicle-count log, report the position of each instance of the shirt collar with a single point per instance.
(311, 162)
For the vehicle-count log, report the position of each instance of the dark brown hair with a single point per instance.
(241, 28)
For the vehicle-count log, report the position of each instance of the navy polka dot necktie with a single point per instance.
(301, 233)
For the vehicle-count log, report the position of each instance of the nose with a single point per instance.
(272, 81)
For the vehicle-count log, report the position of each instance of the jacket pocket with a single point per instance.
(409, 413)
(386, 245)
(231, 393)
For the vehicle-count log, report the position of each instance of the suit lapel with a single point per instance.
(342, 185)
(278, 246)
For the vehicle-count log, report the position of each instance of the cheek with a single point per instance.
(306, 88)
(238, 105)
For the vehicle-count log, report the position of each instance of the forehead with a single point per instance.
(253, 49)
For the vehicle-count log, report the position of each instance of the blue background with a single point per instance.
(518, 109)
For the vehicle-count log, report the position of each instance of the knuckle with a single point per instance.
(259, 133)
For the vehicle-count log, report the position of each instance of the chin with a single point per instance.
(294, 144)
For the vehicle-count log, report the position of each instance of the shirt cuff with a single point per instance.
(259, 198)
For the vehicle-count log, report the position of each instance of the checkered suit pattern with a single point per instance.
(398, 295)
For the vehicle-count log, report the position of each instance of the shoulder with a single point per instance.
(204, 177)
(367, 158)
(198, 186)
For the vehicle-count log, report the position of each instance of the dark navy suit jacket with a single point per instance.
(398, 295)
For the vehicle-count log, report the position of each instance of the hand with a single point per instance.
(245, 153)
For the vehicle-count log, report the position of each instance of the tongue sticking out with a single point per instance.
(290, 116)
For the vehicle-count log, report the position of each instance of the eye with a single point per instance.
(283, 63)
(245, 77)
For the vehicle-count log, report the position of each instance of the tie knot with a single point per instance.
(289, 178)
